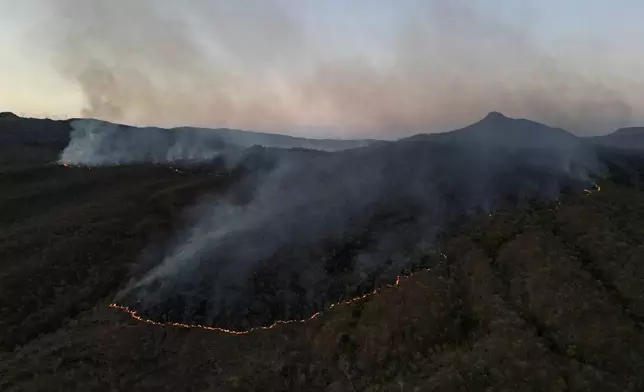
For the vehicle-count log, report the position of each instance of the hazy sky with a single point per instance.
(383, 68)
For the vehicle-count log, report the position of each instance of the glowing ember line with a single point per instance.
(68, 165)
(135, 315)
(71, 165)
(597, 188)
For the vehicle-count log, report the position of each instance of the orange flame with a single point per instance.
(596, 188)
(135, 315)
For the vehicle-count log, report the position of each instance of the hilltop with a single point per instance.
(52, 136)
(496, 129)
(626, 138)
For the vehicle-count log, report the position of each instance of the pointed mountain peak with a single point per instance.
(495, 116)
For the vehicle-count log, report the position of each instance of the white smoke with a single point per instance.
(97, 143)
(257, 64)
(316, 225)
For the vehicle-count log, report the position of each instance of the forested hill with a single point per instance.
(542, 295)
(548, 297)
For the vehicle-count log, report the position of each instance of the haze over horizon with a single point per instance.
(380, 68)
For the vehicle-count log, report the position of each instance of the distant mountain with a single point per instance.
(95, 142)
(498, 130)
(32, 131)
(90, 137)
(250, 138)
(31, 139)
(628, 138)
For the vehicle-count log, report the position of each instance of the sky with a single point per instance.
(325, 68)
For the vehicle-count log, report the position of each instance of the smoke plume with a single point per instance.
(430, 65)
(98, 143)
(308, 228)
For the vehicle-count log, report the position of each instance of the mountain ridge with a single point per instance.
(631, 138)
(29, 130)
(497, 129)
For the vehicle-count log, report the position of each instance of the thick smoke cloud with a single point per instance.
(256, 64)
(307, 228)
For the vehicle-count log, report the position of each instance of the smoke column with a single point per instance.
(276, 65)
(310, 228)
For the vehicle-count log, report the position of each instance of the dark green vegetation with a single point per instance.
(548, 297)
(69, 236)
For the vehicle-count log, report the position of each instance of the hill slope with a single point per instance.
(95, 142)
(496, 129)
(548, 298)
(30, 139)
(44, 139)
(540, 296)
(319, 228)
(627, 138)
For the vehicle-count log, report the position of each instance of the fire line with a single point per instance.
(136, 316)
